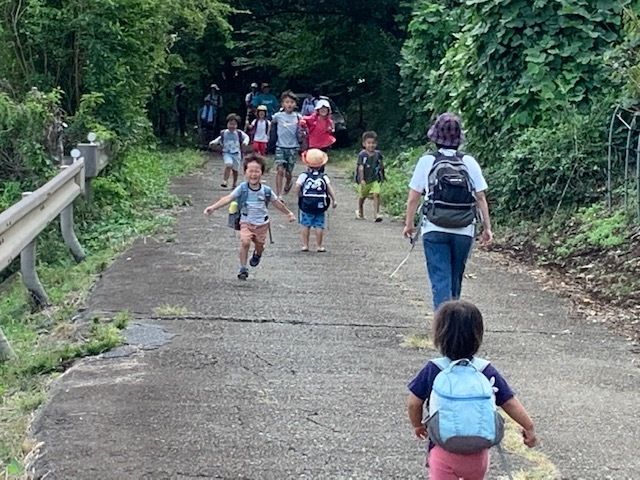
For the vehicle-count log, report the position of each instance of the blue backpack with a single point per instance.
(234, 218)
(314, 197)
(462, 409)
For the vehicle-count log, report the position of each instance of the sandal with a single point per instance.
(304, 249)
(321, 250)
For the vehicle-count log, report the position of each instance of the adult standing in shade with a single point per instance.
(266, 98)
(248, 101)
(454, 190)
(215, 97)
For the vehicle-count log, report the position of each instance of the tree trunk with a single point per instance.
(6, 352)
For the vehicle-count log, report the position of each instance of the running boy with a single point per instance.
(253, 200)
(457, 332)
(232, 139)
(315, 193)
(287, 145)
(369, 175)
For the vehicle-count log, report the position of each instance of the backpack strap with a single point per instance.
(244, 196)
(268, 194)
(444, 362)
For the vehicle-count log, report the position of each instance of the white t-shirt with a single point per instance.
(260, 133)
(420, 181)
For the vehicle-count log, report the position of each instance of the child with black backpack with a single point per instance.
(462, 392)
(315, 194)
(369, 175)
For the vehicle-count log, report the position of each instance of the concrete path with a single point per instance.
(300, 372)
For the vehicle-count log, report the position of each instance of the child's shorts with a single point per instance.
(372, 188)
(286, 157)
(445, 465)
(232, 160)
(312, 220)
(260, 147)
(254, 233)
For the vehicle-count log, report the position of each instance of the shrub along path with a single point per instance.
(300, 372)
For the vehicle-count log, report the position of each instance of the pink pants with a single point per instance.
(445, 465)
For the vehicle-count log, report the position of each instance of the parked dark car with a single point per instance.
(338, 118)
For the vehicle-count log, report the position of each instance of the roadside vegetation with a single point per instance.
(133, 199)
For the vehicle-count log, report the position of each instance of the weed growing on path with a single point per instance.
(172, 311)
(127, 203)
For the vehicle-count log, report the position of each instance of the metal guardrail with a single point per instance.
(21, 223)
(623, 152)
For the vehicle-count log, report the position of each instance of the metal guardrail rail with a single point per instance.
(21, 223)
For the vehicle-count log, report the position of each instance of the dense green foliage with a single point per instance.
(533, 83)
(119, 49)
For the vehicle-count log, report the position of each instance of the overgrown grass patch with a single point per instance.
(132, 199)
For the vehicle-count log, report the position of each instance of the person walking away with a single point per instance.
(309, 104)
(463, 424)
(215, 97)
(320, 126)
(231, 139)
(266, 98)
(251, 110)
(206, 123)
(180, 108)
(287, 145)
(455, 193)
(315, 194)
(253, 200)
(369, 175)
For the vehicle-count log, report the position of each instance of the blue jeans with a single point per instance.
(446, 255)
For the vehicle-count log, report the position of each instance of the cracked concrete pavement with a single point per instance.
(300, 372)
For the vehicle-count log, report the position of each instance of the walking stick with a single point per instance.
(413, 240)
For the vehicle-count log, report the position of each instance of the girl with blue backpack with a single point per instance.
(462, 392)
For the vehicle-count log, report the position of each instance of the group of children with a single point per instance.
(461, 390)
(295, 136)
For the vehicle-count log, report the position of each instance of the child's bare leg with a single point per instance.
(245, 244)
(259, 248)
(306, 231)
(235, 177)
(319, 237)
(376, 204)
(361, 205)
(227, 172)
(289, 180)
(279, 175)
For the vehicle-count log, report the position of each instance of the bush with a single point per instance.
(561, 163)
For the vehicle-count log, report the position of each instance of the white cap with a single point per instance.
(323, 103)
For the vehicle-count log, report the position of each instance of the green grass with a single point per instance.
(172, 311)
(133, 199)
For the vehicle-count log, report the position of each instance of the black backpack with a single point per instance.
(450, 202)
(314, 196)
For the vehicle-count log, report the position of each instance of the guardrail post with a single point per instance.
(68, 233)
(6, 352)
(29, 274)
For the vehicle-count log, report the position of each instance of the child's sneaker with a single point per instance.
(223, 184)
(254, 261)
(359, 216)
(378, 218)
(243, 274)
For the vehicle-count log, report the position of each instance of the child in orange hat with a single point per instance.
(315, 195)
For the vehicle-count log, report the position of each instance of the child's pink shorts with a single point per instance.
(445, 465)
